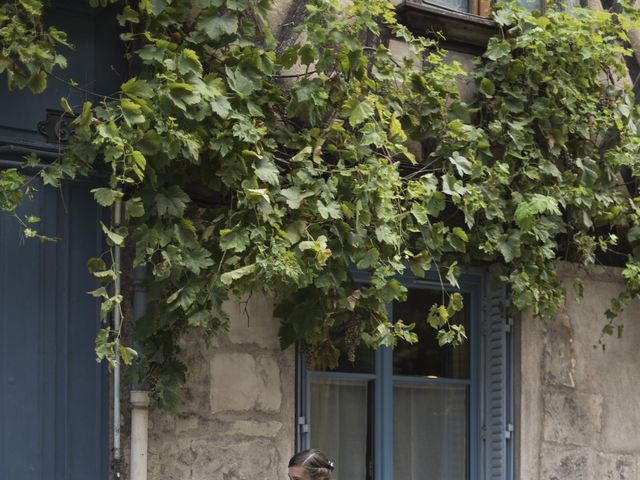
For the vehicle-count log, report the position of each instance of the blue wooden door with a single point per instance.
(53, 394)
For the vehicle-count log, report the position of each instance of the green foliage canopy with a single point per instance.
(246, 167)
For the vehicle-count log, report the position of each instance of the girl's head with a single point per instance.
(310, 465)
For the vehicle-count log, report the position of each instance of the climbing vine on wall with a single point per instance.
(249, 163)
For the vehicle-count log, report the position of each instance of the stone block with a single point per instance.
(465, 83)
(161, 421)
(253, 324)
(559, 352)
(184, 424)
(611, 466)
(254, 428)
(621, 417)
(559, 463)
(400, 50)
(278, 13)
(240, 382)
(236, 460)
(187, 456)
(572, 418)
(165, 469)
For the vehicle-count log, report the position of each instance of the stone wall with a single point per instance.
(237, 419)
(578, 407)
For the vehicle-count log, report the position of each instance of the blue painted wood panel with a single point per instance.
(96, 63)
(53, 395)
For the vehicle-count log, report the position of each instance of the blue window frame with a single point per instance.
(383, 418)
(432, 386)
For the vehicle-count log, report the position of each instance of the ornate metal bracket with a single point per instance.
(56, 126)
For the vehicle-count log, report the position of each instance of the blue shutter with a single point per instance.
(497, 428)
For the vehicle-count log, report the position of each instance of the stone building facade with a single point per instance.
(572, 414)
(576, 414)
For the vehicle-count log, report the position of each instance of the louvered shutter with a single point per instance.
(497, 427)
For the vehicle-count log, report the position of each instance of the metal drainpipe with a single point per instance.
(117, 450)
(139, 395)
(139, 434)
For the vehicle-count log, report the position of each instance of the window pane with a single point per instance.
(364, 361)
(531, 4)
(340, 424)
(364, 356)
(426, 358)
(461, 5)
(430, 432)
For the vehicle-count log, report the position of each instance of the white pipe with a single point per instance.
(139, 310)
(139, 434)
(117, 450)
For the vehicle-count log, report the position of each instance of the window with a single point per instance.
(481, 7)
(458, 24)
(416, 411)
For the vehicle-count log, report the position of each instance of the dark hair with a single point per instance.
(313, 461)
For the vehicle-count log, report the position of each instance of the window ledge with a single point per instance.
(461, 31)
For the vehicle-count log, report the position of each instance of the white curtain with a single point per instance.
(430, 431)
(339, 419)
